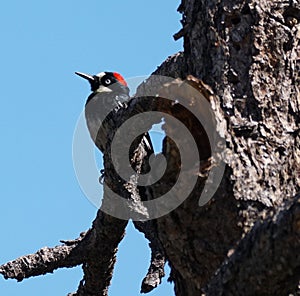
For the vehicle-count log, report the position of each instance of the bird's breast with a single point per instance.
(97, 109)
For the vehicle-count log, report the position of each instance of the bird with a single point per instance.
(109, 92)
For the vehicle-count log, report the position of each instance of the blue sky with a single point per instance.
(42, 44)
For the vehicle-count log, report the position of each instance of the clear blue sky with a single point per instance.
(42, 44)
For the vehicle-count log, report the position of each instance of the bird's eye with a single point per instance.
(107, 81)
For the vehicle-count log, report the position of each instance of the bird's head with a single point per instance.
(106, 82)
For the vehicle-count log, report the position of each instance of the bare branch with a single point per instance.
(156, 269)
(155, 272)
(46, 260)
(98, 266)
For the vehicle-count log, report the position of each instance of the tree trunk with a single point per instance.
(249, 53)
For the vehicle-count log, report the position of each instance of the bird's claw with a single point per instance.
(101, 178)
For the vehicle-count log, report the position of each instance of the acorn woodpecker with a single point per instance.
(109, 92)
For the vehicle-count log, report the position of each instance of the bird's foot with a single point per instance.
(102, 176)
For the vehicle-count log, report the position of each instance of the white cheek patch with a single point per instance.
(103, 89)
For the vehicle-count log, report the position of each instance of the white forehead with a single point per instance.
(101, 74)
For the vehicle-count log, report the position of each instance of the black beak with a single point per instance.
(88, 77)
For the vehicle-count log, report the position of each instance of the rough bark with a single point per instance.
(245, 240)
(248, 52)
(279, 274)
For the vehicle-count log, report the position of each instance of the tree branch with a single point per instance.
(107, 232)
(156, 269)
(96, 250)
(46, 260)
